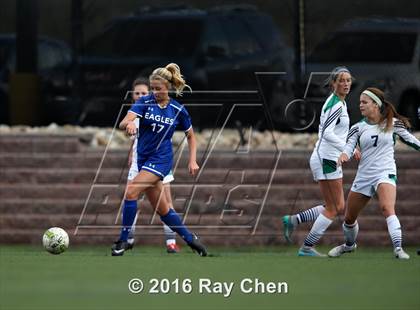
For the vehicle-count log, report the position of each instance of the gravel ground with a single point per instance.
(229, 139)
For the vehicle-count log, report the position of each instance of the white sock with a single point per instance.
(170, 241)
(309, 215)
(318, 229)
(170, 235)
(350, 233)
(394, 229)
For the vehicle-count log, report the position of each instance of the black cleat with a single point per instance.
(197, 246)
(119, 248)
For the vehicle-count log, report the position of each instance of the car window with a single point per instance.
(240, 41)
(109, 43)
(49, 55)
(65, 55)
(147, 38)
(214, 36)
(265, 31)
(6, 50)
(366, 47)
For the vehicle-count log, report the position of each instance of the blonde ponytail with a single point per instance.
(171, 74)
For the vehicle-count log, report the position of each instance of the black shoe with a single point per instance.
(197, 246)
(119, 247)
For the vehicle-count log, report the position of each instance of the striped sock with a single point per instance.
(309, 215)
(394, 229)
(350, 233)
(320, 226)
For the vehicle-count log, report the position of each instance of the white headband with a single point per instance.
(373, 97)
(341, 70)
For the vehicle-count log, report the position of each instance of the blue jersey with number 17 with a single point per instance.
(157, 126)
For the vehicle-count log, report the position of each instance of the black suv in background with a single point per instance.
(380, 52)
(54, 64)
(217, 49)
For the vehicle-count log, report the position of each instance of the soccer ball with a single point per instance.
(55, 240)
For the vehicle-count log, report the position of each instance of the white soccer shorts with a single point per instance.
(324, 169)
(369, 185)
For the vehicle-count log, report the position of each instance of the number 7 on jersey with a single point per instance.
(376, 140)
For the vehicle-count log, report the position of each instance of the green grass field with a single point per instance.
(89, 278)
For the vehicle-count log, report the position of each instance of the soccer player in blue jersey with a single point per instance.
(159, 114)
(141, 88)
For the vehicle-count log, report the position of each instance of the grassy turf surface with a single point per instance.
(89, 278)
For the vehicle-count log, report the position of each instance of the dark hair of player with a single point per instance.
(140, 81)
(388, 111)
(335, 74)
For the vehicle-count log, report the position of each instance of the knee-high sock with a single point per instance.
(320, 226)
(394, 229)
(133, 228)
(129, 213)
(174, 222)
(309, 215)
(350, 233)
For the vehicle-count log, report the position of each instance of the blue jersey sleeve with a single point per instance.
(184, 120)
(138, 107)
